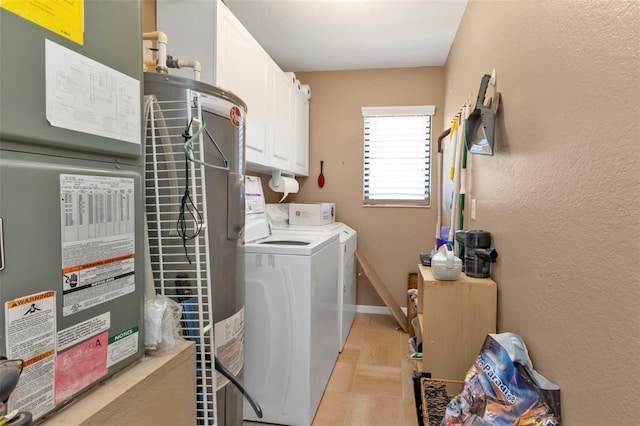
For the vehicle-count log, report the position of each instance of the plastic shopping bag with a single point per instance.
(502, 388)
(161, 323)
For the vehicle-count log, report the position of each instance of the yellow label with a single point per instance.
(30, 299)
(63, 17)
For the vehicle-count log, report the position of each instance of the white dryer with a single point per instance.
(278, 215)
(290, 322)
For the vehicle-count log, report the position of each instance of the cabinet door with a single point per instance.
(242, 68)
(282, 120)
(301, 133)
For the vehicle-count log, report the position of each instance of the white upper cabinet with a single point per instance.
(277, 135)
(244, 68)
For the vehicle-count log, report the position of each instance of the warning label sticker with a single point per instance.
(81, 366)
(122, 346)
(229, 340)
(31, 336)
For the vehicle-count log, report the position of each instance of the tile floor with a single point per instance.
(371, 381)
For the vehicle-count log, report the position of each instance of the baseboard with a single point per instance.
(377, 310)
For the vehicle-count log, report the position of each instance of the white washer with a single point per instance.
(290, 323)
(278, 215)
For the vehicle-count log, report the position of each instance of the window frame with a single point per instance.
(398, 111)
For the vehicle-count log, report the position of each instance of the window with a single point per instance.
(397, 144)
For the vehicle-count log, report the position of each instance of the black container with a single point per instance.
(478, 254)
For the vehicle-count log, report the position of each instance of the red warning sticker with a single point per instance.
(235, 116)
(81, 366)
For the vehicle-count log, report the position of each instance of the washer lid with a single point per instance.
(346, 234)
(328, 228)
(291, 243)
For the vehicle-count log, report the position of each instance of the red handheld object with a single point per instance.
(321, 177)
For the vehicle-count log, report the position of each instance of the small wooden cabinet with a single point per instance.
(455, 318)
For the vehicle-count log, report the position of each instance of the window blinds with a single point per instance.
(397, 155)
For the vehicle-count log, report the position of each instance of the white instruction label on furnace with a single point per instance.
(229, 338)
(98, 240)
(90, 97)
(82, 331)
(123, 345)
(30, 324)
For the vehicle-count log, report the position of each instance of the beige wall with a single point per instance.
(561, 194)
(148, 15)
(390, 238)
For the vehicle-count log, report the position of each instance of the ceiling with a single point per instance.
(330, 35)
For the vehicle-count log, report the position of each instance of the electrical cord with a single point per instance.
(187, 207)
(226, 373)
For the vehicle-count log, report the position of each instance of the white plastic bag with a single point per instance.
(162, 321)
